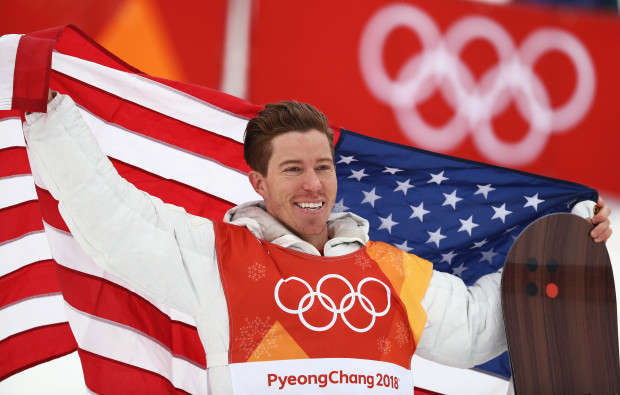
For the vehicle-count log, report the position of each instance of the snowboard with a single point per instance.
(559, 304)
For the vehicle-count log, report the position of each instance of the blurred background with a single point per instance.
(530, 85)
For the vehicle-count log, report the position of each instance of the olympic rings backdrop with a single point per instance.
(522, 87)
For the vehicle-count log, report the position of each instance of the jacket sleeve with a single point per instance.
(465, 325)
(164, 252)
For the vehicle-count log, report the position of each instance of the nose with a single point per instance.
(311, 181)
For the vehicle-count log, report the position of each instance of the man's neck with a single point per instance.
(318, 240)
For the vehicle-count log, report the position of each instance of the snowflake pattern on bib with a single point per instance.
(384, 345)
(257, 271)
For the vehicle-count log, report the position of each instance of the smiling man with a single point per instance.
(295, 172)
(287, 297)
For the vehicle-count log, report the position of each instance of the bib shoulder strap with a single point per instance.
(410, 276)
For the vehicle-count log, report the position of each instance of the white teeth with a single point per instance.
(310, 206)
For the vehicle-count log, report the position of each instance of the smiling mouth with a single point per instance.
(310, 206)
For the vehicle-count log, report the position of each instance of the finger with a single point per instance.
(604, 236)
(600, 228)
(601, 232)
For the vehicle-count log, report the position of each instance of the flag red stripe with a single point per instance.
(121, 378)
(13, 161)
(35, 279)
(84, 292)
(49, 209)
(30, 348)
(150, 123)
(20, 219)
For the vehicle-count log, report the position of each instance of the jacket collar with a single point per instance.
(347, 232)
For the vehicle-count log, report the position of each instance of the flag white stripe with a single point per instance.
(170, 162)
(8, 53)
(131, 347)
(11, 134)
(17, 253)
(153, 95)
(433, 376)
(16, 189)
(31, 313)
(69, 254)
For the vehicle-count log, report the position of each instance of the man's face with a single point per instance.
(300, 186)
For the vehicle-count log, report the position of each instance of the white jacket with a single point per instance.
(170, 255)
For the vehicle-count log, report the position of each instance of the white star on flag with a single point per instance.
(501, 212)
(451, 199)
(404, 186)
(467, 225)
(404, 246)
(484, 190)
(347, 159)
(391, 170)
(458, 271)
(387, 223)
(370, 197)
(488, 256)
(448, 257)
(358, 175)
(435, 237)
(339, 207)
(419, 212)
(437, 178)
(532, 201)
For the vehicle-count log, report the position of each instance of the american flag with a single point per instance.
(183, 143)
(461, 215)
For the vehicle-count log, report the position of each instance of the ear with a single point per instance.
(258, 182)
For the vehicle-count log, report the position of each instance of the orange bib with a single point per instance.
(288, 305)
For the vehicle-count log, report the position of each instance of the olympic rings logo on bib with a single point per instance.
(475, 104)
(345, 304)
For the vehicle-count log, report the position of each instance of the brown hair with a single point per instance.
(276, 119)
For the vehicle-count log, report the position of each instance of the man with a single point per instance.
(286, 296)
